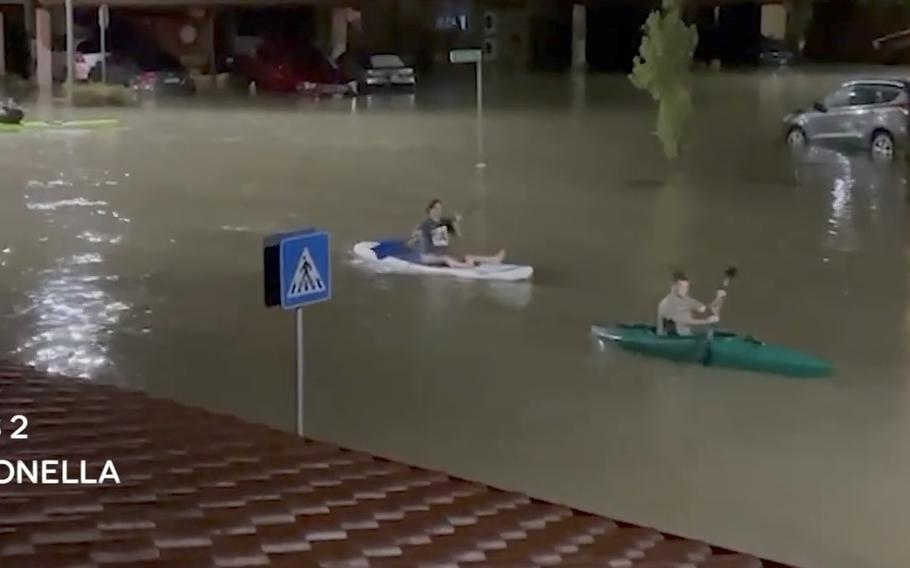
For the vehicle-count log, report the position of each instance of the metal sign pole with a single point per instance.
(299, 337)
(479, 66)
(103, 24)
(297, 269)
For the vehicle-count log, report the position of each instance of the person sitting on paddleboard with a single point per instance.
(432, 238)
(11, 112)
(678, 312)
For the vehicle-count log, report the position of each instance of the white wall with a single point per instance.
(773, 21)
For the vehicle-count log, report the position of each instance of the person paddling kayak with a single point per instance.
(11, 112)
(432, 240)
(678, 313)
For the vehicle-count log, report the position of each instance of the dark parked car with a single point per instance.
(282, 68)
(773, 52)
(148, 74)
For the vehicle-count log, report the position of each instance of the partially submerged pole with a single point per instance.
(70, 51)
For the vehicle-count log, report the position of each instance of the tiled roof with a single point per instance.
(200, 490)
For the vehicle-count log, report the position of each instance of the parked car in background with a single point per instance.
(385, 70)
(773, 52)
(873, 112)
(88, 56)
(149, 73)
(281, 68)
(83, 58)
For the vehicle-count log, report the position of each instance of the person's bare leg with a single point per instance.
(474, 260)
(454, 263)
(443, 260)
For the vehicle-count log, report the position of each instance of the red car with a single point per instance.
(284, 69)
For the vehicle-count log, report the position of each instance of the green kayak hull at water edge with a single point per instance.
(723, 349)
(59, 124)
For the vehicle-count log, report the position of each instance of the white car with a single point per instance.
(86, 57)
(84, 62)
(388, 70)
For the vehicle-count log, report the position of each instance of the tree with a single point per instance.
(662, 68)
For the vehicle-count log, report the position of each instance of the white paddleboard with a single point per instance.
(507, 272)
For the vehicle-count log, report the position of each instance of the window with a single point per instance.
(452, 22)
(854, 95)
(886, 94)
(840, 98)
(386, 62)
(864, 95)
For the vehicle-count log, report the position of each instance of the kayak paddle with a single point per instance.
(729, 274)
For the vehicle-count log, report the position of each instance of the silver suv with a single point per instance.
(874, 112)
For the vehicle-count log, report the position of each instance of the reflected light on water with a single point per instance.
(72, 313)
(54, 205)
(87, 258)
(93, 237)
(48, 184)
(842, 234)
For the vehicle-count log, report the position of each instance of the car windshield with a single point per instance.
(88, 47)
(385, 61)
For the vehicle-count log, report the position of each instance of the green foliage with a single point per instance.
(100, 95)
(662, 68)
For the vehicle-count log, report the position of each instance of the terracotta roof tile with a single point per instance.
(201, 490)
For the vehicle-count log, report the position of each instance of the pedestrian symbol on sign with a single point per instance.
(306, 278)
(304, 271)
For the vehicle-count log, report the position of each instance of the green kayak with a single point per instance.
(59, 124)
(723, 349)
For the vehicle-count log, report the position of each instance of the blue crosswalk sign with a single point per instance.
(305, 268)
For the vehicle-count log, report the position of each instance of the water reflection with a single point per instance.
(401, 101)
(72, 315)
(93, 237)
(54, 205)
(858, 189)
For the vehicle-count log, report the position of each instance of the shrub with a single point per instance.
(98, 94)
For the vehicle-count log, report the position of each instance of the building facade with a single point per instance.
(598, 35)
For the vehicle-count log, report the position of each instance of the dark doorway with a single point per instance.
(739, 33)
(551, 37)
(614, 35)
(15, 39)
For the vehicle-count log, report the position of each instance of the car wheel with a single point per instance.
(796, 138)
(882, 144)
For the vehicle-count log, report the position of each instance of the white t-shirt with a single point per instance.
(679, 310)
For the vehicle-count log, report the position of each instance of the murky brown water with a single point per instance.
(135, 254)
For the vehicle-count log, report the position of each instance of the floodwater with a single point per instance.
(134, 255)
